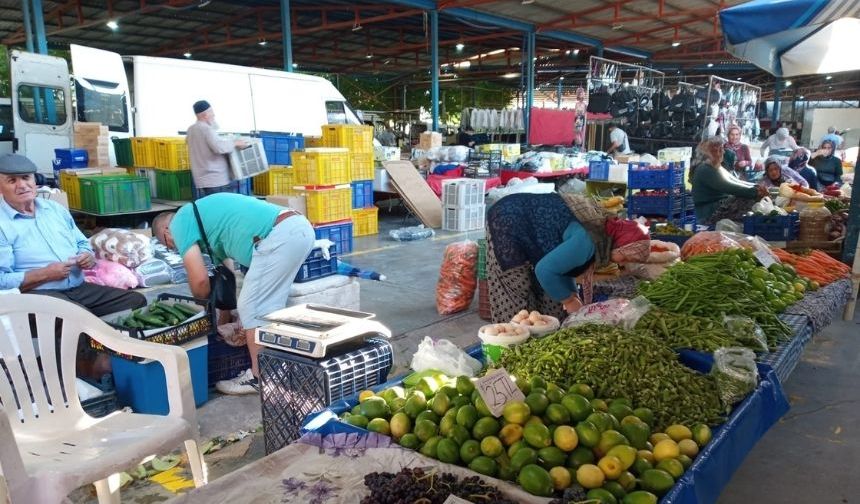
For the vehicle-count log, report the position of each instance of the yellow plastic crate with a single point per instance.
(144, 150)
(365, 221)
(358, 139)
(327, 205)
(277, 181)
(321, 167)
(72, 186)
(313, 142)
(172, 154)
(362, 167)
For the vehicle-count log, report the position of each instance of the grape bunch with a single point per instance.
(415, 485)
(572, 495)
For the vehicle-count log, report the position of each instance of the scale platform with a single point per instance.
(313, 330)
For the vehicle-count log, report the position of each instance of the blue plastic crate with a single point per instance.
(338, 232)
(293, 386)
(70, 158)
(317, 266)
(362, 194)
(640, 177)
(278, 146)
(598, 170)
(773, 227)
(141, 385)
(656, 205)
(225, 361)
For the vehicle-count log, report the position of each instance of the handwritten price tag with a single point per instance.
(764, 258)
(497, 389)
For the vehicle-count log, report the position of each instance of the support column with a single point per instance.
(530, 82)
(560, 82)
(287, 35)
(28, 24)
(598, 51)
(434, 67)
(777, 103)
(39, 22)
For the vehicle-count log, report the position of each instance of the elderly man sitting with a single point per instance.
(41, 249)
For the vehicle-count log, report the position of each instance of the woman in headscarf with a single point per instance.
(775, 174)
(828, 166)
(743, 159)
(713, 185)
(799, 162)
(779, 141)
(537, 244)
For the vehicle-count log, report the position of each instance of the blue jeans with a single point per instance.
(553, 270)
(232, 187)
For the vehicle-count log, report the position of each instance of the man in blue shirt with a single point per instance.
(41, 249)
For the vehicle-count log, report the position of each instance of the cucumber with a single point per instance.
(179, 315)
(184, 308)
(149, 321)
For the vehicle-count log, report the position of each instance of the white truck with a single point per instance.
(159, 101)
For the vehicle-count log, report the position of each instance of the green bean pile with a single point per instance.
(617, 363)
(706, 291)
(696, 333)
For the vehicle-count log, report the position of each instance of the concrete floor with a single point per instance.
(809, 456)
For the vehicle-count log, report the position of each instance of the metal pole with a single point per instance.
(530, 84)
(28, 24)
(598, 51)
(559, 92)
(434, 67)
(39, 21)
(287, 35)
(777, 90)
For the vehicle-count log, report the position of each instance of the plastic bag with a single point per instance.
(457, 278)
(111, 274)
(745, 331)
(735, 373)
(122, 246)
(708, 242)
(766, 205)
(663, 252)
(619, 312)
(729, 226)
(154, 272)
(411, 233)
(444, 356)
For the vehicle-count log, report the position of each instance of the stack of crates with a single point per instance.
(114, 194)
(359, 141)
(70, 182)
(321, 175)
(279, 146)
(659, 192)
(278, 181)
(463, 207)
(172, 169)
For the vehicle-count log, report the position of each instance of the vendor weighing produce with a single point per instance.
(537, 244)
(713, 185)
(271, 241)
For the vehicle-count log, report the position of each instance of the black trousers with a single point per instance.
(98, 299)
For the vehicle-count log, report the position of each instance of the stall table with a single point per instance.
(507, 175)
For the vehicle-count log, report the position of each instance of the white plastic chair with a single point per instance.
(48, 445)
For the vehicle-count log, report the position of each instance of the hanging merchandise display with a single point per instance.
(621, 92)
(492, 121)
(731, 103)
(676, 116)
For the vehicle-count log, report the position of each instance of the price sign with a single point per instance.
(497, 389)
(764, 258)
(453, 499)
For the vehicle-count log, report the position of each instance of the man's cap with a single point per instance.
(16, 164)
(201, 106)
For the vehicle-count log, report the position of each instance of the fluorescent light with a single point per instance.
(710, 65)
(356, 27)
(512, 75)
(262, 42)
(460, 46)
(463, 64)
(187, 54)
(675, 43)
(113, 25)
(828, 77)
(800, 97)
(575, 52)
(295, 65)
(567, 52)
(561, 78)
(368, 55)
(787, 83)
(738, 78)
(527, 2)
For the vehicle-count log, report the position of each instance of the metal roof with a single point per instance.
(389, 38)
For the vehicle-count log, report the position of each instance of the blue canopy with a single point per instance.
(794, 37)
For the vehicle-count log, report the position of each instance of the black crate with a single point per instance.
(294, 386)
(483, 164)
(225, 361)
(104, 404)
(175, 335)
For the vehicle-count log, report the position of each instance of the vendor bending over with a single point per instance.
(41, 249)
(537, 244)
(713, 185)
(271, 241)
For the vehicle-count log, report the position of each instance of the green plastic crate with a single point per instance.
(114, 195)
(124, 154)
(173, 185)
(482, 259)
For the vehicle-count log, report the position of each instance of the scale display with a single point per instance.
(311, 330)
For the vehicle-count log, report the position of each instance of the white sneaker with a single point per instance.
(245, 383)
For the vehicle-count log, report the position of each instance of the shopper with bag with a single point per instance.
(538, 244)
(270, 240)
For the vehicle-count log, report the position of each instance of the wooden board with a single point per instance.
(415, 192)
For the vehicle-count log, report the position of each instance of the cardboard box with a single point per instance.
(429, 140)
(54, 195)
(87, 142)
(90, 128)
(89, 172)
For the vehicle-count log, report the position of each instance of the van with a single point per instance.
(7, 131)
(159, 100)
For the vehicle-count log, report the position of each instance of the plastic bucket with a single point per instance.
(494, 346)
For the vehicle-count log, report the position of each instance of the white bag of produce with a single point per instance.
(121, 246)
(735, 373)
(154, 272)
(444, 356)
(619, 312)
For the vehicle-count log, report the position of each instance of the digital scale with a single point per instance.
(312, 330)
